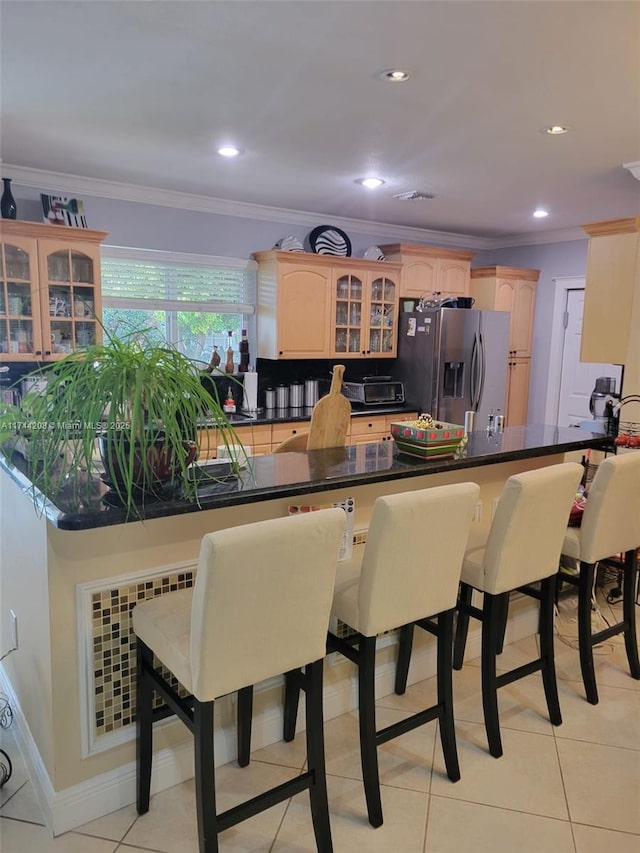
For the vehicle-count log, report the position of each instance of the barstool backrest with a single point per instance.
(261, 600)
(529, 525)
(611, 518)
(413, 555)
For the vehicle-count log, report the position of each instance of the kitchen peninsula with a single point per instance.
(73, 573)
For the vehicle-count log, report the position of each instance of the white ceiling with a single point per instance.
(143, 93)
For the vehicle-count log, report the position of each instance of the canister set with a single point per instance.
(297, 395)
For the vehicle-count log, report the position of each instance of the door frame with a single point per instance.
(562, 284)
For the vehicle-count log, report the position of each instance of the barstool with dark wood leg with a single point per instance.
(260, 607)
(610, 525)
(522, 548)
(408, 571)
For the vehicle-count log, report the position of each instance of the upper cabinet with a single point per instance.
(320, 306)
(430, 269)
(50, 302)
(612, 285)
(509, 289)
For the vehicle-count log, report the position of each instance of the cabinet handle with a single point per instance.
(280, 352)
(294, 431)
(47, 352)
(38, 352)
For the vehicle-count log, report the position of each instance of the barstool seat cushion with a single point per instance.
(164, 624)
(345, 597)
(384, 586)
(521, 528)
(571, 545)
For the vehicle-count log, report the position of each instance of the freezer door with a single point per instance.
(416, 363)
(457, 366)
(494, 357)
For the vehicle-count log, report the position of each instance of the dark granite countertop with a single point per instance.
(292, 474)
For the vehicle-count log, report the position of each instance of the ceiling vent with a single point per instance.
(414, 195)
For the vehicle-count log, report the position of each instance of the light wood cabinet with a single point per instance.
(365, 312)
(430, 269)
(611, 289)
(50, 300)
(511, 289)
(320, 306)
(264, 438)
(518, 377)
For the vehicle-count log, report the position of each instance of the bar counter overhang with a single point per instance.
(72, 572)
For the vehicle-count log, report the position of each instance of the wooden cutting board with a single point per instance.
(331, 416)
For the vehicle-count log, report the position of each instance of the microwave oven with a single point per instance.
(374, 391)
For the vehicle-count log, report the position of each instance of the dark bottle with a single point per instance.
(243, 349)
(228, 367)
(7, 202)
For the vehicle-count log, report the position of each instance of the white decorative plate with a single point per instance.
(289, 244)
(374, 253)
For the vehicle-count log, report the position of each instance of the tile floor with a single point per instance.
(571, 789)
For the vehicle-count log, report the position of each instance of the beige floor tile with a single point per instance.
(20, 837)
(24, 806)
(170, 823)
(514, 654)
(455, 826)
(526, 778)
(113, 826)
(404, 762)
(405, 814)
(602, 784)
(590, 839)
(293, 754)
(615, 721)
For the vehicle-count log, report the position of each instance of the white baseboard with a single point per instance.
(93, 798)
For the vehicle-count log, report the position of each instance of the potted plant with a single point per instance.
(135, 401)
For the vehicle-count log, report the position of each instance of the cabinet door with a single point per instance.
(521, 327)
(504, 295)
(281, 431)
(518, 391)
(70, 295)
(418, 278)
(20, 325)
(453, 277)
(381, 315)
(348, 338)
(303, 303)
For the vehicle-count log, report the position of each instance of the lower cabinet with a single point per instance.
(264, 438)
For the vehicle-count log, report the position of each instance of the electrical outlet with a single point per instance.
(477, 513)
(14, 629)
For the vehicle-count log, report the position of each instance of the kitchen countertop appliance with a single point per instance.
(374, 390)
(601, 405)
(453, 362)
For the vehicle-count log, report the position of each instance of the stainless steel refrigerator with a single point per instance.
(454, 360)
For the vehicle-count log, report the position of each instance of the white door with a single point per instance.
(578, 378)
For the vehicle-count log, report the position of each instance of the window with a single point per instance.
(192, 301)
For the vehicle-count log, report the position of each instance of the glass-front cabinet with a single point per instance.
(365, 313)
(49, 290)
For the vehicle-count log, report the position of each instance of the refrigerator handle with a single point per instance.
(474, 373)
(482, 370)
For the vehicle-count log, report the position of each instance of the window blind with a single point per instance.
(177, 282)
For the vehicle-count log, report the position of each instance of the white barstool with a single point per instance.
(522, 548)
(408, 571)
(610, 525)
(259, 607)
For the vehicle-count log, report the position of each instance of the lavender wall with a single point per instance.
(155, 227)
(553, 260)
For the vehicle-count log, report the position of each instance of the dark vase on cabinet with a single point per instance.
(7, 202)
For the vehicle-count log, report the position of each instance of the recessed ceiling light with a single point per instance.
(556, 129)
(228, 151)
(394, 75)
(370, 183)
(540, 213)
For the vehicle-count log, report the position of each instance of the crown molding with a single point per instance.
(65, 183)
